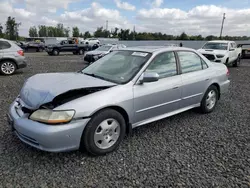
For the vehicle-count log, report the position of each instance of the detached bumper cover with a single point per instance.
(52, 138)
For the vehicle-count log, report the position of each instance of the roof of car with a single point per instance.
(151, 49)
(220, 41)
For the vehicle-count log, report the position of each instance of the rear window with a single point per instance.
(4, 45)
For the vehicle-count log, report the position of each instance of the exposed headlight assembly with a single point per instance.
(52, 116)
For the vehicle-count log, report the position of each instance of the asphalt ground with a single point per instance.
(185, 150)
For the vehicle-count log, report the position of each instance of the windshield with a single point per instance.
(118, 67)
(104, 48)
(215, 46)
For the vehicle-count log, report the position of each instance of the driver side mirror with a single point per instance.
(149, 77)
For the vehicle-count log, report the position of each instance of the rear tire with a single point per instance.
(103, 133)
(7, 67)
(209, 100)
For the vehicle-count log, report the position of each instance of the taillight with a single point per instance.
(227, 72)
(20, 52)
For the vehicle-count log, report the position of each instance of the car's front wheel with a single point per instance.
(104, 132)
(237, 61)
(210, 99)
(81, 52)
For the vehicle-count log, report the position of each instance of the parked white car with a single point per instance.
(222, 51)
(91, 41)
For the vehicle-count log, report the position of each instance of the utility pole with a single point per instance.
(134, 33)
(107, 22)
(224, 17)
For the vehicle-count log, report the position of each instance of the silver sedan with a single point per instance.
(94, 109)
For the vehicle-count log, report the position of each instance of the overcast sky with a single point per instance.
(167, 16)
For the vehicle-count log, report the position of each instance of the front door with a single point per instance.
(194, 79)
(160, 97)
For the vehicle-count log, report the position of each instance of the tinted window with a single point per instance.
(164, 64)
(4, 45)
(189, 62)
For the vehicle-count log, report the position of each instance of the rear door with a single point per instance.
(194, 77)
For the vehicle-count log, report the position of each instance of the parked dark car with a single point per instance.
(66, 46)
(245, 50)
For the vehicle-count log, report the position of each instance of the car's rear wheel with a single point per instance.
(210, 99)
(237, 61)
(55, 52)
(104, 132)
(7, 67)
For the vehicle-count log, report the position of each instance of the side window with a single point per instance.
(164, 64)
(189, 62)
(204, 65)
(4, 45)
(231, 45)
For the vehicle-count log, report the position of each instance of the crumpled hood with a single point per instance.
(216, 52)
(43, 88)
(96, 52)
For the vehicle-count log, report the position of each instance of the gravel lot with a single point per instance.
(186, 150)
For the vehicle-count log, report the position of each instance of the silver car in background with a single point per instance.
(101, 51)
(95, 107)
(11, 57)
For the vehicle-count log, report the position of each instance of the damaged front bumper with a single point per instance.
(52, 138)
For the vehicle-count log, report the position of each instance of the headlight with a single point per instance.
(52, 117)
(220, 56)
(100, 55)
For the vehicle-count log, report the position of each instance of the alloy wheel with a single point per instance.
(8, 68)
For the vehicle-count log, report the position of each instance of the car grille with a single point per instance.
(209, 57)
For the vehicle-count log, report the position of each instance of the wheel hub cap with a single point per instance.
(211, 99)
(8, 68)
(107, 133)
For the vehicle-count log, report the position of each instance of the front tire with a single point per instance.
(81, 52)
(209, 100)
(7, 67)
(55, 52)
(237, 62)
(104, 132)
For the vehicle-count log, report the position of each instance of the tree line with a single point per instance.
(11, 32)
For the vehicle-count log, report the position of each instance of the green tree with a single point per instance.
(42, 31)
(75, 32)
(183, 36)
(1, 31)
(12, 28)
(33, 32)
(87, 35)
(59, 30)
(66, 32)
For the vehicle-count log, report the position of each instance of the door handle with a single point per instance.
(207, 79)
(175, 87)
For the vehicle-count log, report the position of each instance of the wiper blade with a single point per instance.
(97, 76)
